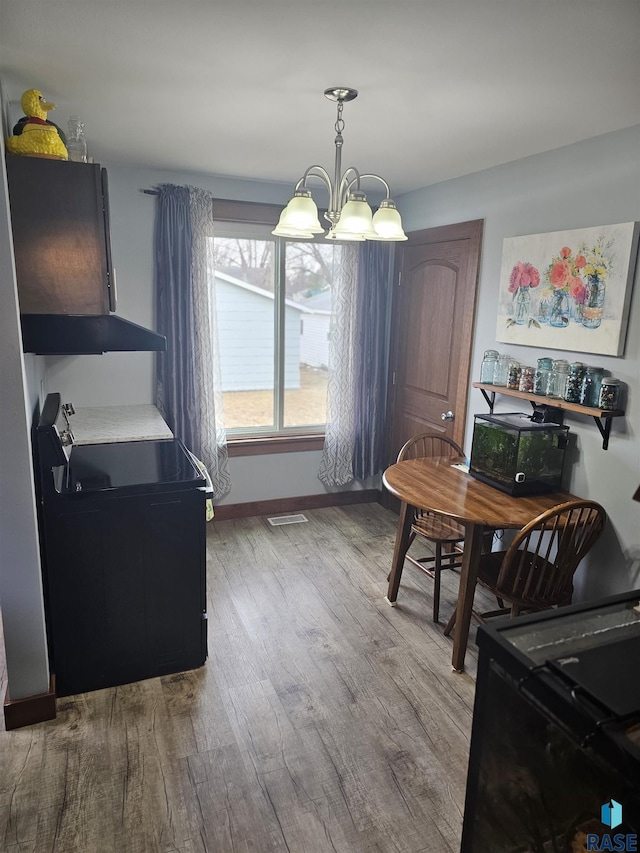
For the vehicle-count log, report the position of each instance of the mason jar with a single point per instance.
(573, 382)
(513, 375)
(501, 370)
(589, 393)
(526, 380)
(541, 376)
(609, 396)
(557, 378)
(488, 366)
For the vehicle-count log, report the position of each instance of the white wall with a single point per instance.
(596, 182)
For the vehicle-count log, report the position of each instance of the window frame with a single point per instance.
(265, 440)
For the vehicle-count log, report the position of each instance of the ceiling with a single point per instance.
(235, 87)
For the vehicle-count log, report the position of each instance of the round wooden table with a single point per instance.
(436, 485)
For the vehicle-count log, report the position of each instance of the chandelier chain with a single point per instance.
(339, 125)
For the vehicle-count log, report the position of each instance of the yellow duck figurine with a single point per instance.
(38, 138)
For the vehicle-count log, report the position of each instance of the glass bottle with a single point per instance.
(541, 376)
(609, 396)
(590, 391)
(573, 382)
(76, 142)
(557, 378)
(501, 371)
(593, 307)
(513, 375)
(526, 380)
(488, 366)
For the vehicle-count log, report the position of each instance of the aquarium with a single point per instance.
(555, 739)
(517, 455)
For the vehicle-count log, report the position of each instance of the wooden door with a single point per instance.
(433, 318)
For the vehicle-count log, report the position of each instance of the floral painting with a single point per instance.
(568, 290)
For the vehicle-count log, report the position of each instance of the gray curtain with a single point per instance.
(188, 392)
(373, 308)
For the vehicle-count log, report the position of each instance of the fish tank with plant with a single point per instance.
(517, 455)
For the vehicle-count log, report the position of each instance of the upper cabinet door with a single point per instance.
(59, 216)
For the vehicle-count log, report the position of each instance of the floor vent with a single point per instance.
(277, 520)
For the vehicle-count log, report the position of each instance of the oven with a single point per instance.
(122, 535)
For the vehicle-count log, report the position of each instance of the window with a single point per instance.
(273, 302)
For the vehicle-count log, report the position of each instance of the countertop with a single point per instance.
(107, 424)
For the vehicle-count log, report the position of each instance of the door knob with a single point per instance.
(447, 416)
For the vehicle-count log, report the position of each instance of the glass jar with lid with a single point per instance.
(573, 382)
(513, 376)
(501, 370)
(557, 378)
(526, 380)
(609, 396)
(541, 376)
(488, 366)
(589, 393)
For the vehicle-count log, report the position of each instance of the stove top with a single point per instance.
(134, 466)
(127, 467)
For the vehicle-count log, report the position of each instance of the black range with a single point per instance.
(123, 554)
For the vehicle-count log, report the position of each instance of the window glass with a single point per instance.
(273, 305)
(309, 271)
(245, 286)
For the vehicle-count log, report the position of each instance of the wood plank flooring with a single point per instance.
(323, 720)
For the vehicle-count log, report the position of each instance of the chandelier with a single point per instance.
(349, 215)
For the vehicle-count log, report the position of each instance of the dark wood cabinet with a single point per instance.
(60, 223)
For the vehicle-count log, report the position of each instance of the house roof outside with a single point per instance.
(303, 305)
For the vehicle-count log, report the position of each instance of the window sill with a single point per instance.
(274, 444)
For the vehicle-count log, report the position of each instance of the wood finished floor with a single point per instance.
(323, 720)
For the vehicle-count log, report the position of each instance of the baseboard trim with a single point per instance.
(31, 709)
(281, 505)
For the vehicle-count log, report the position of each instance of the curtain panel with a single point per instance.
(372, 356)
(354, 445)
(188, 392)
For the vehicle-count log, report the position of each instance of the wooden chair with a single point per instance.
(445, 534)
(536, 571)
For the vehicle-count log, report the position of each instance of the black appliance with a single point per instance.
(555, 742)
(122, 530)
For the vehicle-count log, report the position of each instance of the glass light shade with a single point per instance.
(300, 215)
(292, 233)
(387, 222)
(356, 219)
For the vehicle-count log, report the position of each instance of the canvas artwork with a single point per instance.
(568, 290)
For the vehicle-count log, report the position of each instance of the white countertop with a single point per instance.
(107, 424)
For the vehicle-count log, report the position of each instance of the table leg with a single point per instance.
(399, 552)
(468, 576)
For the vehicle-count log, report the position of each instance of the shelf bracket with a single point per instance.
(604, 430)
(490, 399)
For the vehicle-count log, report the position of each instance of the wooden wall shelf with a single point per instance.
(602, 417)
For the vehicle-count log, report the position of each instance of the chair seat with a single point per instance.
(438, 528)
